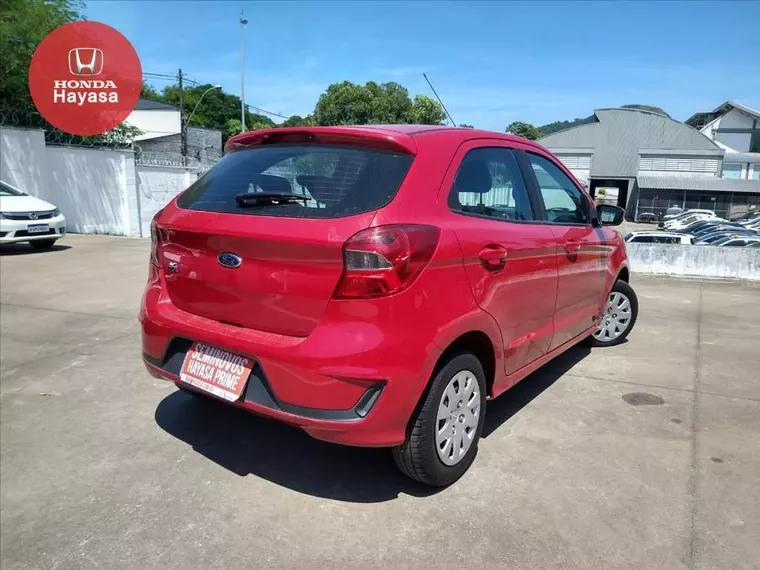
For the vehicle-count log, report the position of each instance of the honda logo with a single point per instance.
(86, 61)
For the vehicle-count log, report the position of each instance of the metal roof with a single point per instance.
(618, 134)
(150, 105)
(725, 107)
(704, 184)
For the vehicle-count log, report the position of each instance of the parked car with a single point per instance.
(747, 216)
(717, 236)
(683, 214)
(710, 236)
(658, 237)
(712, 228)
(24, 218)
(681, 223)
(647, 218)
(701, 225)
(736, 241)
(375, 285)
(672, 212)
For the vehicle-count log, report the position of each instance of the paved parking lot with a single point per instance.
(646, 455)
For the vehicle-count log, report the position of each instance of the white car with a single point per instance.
(658, 237)
(681, 222)
(26, 218)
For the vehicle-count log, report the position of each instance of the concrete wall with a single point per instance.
(156, 186)
(98, 190)
(695, 260)
(89, 186)
(23, 160)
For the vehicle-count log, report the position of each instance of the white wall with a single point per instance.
(98, 190)
(156, 186)
(89, 186)
(23, 160)
(679, 166)
(155, 123)
(734, 119)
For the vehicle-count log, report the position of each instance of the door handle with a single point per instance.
(493, 257)
(572, 246)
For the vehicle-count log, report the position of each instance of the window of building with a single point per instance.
(489, 184)
(563, 201)
(755, 175)
(732, 171)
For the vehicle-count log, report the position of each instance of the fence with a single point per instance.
(99, 189)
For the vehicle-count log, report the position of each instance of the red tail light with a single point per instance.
(385, 260)
(155, 239)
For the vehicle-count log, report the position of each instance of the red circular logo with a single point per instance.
(85, 78)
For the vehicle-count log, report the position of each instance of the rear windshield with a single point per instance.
(337, 181)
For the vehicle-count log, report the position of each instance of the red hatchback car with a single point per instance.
(375, 285)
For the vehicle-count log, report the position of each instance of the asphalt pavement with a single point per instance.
(646, 455)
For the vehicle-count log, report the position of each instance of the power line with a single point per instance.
(166, 76)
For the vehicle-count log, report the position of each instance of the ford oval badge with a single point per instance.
(229, 260)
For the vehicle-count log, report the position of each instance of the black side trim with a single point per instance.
(259, 391)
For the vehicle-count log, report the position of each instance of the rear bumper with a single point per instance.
(348, 382)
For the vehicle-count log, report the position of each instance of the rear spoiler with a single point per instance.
(366, 136)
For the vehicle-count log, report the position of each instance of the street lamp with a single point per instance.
(199, 102)
(243, 22)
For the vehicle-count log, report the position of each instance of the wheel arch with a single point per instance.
(478, 343)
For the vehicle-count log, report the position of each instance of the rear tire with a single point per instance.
(443, 438)
(620, 312)
(42, 243)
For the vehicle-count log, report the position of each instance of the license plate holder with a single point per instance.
(38, 228)
(216, 371)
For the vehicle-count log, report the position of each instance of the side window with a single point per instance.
(643, 239)
(563, 201)
(488, 183)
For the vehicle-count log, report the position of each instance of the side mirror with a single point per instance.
(610, 215)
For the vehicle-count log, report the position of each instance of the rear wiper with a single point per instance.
(253, 199)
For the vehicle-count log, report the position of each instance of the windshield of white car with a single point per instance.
(6, 190)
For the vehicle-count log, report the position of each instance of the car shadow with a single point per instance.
(524, 392)
(26, 249)
(247, 444)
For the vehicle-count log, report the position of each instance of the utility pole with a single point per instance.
(182, 125)
(243, 22)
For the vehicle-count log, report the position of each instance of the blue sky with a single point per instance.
(491, 62)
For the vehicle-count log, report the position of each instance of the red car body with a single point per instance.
(347, 354)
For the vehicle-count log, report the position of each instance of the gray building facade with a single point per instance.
(647, 162)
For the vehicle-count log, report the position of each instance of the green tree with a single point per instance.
(299, 121)
(149, 92)
(232, 128)
(525, 130)
(466, 126)
(427, 111)
(23, 25)
(347, 103)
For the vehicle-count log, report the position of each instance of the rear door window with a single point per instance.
(489, 184)
(335, 181)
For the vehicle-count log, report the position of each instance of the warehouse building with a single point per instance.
(646, 162)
